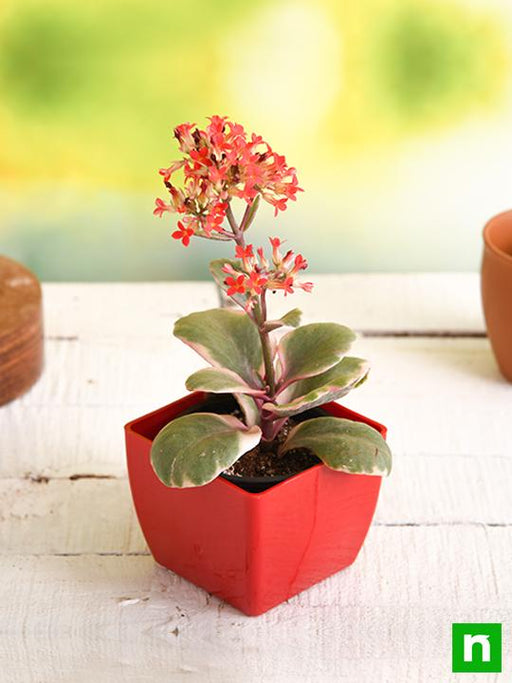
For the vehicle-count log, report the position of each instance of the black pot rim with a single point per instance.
(237, 479)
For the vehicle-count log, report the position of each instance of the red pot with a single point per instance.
(253, 550)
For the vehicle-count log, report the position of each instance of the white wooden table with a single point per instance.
(81, 599)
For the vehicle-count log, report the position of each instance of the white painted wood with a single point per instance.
(68, 517)
(425, 301)
(386, 618)
(437, 396)
(96, 515)
(80, 599)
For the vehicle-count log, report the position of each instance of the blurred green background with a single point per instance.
(396, 114)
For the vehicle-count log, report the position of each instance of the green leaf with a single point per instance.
(312, 349)
(315, 391)
(252, 212)
(219, 381)
(249, 408)
(226, 339)
(342, 445)
(219, 276)
(290, 319)
(194, 449)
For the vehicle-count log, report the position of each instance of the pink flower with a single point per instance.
(215, 217)
(256, 282)
(228, 268)
(299, 264)
(235, 285)
(161, 207)
(166, 173)
(201, 156)
(288, 285)
(244, 252)
(183, 134)
(220, 162)
(279, 204)
(258, 275)
(184, 233)
(276, 254)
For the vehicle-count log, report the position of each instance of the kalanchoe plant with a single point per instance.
(272, 375)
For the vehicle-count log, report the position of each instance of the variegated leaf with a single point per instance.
(194, 449)
(290, 319)
(343, 445)
(219, 381)
(249, 408)
(315, 391)
(312, 349)
(226, 339)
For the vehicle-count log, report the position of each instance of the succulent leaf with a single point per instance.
(312, 349)
(292, 318)
(319, 389)
(226, 339)
(219, 381)
(343, 445)
(249, 408)
(194, 449)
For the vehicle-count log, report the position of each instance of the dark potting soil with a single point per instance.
(264, 460)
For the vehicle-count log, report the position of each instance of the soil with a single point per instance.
(264, 460)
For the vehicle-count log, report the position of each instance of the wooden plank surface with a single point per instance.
(81, 599)
(438, 396)
(123, 618)
(432, 302)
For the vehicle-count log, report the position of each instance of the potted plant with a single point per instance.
(256, 485)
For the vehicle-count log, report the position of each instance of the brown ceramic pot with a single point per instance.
(21, 330)
(497, 288)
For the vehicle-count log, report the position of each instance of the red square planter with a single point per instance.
(253, 550)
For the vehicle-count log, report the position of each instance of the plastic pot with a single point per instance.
(253, 550)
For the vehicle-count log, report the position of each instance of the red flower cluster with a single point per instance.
(219, 163)
(256, 274)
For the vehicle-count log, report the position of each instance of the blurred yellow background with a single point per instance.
(396, 114)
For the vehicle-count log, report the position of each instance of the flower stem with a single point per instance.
(266, 347)
(260, 319)
(238, 235)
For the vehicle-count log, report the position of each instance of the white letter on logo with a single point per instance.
(470, 640)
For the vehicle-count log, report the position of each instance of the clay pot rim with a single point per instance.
(487, 240)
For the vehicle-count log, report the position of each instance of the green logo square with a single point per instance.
(476, 648)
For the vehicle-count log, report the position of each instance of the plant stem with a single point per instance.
(237, 234)
(266, 347)
(260, 319)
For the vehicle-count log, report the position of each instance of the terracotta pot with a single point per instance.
(497, 288)
(253, 550)
(21, 330)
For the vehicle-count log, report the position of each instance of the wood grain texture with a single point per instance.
(80, 598)
(437, 396)
(21, 330)
(95, 515)
(386, 618)
(430, 302)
